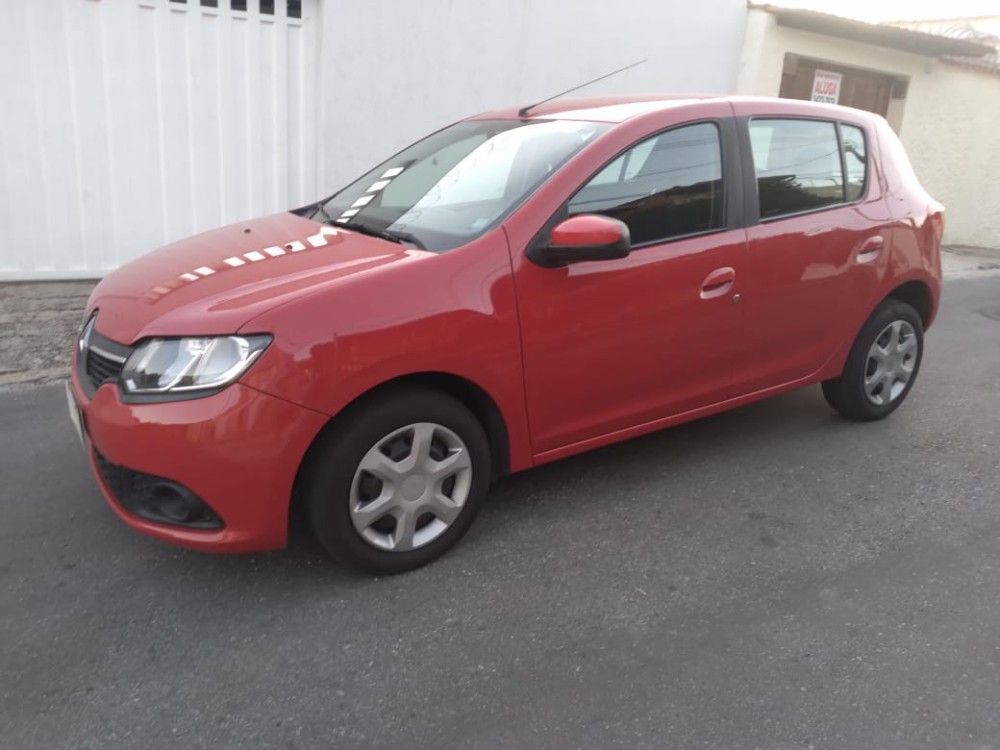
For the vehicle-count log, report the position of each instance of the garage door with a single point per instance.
(131, 123)
(804, 78)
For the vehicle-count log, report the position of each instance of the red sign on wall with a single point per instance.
(826, 87)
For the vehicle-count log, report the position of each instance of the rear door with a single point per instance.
(816, 247)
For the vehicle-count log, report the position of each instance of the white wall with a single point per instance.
(131, 123)
(127, 124)
(397, 70)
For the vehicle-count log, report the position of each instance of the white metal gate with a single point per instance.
(126, 124)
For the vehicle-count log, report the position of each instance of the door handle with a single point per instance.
(718, 283)
(870, 249)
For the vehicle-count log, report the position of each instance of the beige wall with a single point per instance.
(766, 44)
(949, 121)
(953, 138)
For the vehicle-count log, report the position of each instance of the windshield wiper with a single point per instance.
(390, 234)
(321, 208)
(386, 234)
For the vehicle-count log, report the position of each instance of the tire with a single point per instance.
(874, 383)
(374, 489)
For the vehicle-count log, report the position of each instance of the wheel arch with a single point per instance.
(473, 396)
(917, 294)
(482, 405)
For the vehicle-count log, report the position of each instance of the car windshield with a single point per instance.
(456, 184)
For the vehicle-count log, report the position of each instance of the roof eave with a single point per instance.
(879, 35)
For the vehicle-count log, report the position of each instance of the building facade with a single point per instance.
(138, 122)
(937, 83)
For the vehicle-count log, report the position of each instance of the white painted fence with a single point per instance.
(126, 124)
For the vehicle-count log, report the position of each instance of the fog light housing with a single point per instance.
(173, 503)
(156, 499)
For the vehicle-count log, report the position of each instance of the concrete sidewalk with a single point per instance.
(961, 262)
(40, 319)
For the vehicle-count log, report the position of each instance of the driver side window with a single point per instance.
(666, 186)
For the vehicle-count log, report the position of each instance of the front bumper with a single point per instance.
(238, 450)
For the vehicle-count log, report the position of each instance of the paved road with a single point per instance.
(772, 577)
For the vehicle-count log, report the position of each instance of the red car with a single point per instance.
(515, 288)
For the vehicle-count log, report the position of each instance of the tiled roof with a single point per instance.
(881, 35)
(989, 63)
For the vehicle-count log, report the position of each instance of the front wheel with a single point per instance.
(881, 366)
(398, 480)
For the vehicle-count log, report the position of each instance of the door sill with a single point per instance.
(658, 424)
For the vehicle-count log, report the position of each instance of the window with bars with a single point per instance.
(293, 8)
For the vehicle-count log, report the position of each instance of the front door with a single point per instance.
(613, 344)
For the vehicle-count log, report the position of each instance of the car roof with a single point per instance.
(616, 109)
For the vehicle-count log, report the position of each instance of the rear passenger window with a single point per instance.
(666, 186)
(797, 164)
(855, 160)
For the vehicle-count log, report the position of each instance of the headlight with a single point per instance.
(190, 364)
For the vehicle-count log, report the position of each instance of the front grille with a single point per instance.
(100, 359)
(101, 369)
(155, 498)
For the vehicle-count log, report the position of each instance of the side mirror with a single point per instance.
(583, 237)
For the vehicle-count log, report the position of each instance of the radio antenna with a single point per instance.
(523, 112)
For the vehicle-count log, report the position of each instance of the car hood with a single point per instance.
(215, 282)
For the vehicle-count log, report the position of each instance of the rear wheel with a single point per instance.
(398, 480)
(881, 366)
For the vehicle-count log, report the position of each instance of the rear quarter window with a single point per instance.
(855, 160)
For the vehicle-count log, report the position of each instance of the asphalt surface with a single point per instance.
(773, 577)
